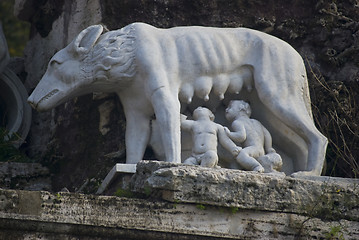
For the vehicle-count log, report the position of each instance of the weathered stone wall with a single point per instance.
(171, 201)
(74, 138)
(24, 176)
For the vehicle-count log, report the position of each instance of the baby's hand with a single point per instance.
(236, 151)
(227, 131)
(183, 117)
(271, 150)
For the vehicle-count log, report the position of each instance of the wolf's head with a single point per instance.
(66, 75)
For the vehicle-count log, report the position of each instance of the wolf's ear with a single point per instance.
(87, 38)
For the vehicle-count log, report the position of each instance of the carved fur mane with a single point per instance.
(113, 51)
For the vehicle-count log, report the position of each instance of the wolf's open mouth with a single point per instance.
(47, 96)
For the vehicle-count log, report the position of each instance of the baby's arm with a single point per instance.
(239, 135)
(226, 142)
(186, 124)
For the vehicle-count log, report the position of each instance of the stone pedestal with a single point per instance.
(320, 197)
(172, 201)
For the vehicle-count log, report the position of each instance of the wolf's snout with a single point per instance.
(31, 102)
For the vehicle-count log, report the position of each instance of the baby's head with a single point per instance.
(202, 112)
(236, 107)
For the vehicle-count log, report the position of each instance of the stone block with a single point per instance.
(321, 197)
(35, 214)
(27, 176)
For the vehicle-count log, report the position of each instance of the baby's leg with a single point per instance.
(247, 162)
(209, 159)
(191, 161)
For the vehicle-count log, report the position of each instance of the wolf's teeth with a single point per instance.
(47, 96)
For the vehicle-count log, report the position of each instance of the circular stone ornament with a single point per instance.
(15, 112)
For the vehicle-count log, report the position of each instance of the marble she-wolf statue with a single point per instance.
(154, 70)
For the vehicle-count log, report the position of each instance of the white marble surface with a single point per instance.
(156, 72)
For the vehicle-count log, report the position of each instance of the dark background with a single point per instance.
(325, 33)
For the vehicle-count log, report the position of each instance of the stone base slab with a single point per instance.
(188, 202)
(322, 197)
(34, 215)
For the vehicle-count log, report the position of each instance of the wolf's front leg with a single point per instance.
(137, 135)
(167, 110)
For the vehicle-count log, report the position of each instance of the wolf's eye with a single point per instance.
(54, 63)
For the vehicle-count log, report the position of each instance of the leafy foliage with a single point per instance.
(16, 31)
(9, 153)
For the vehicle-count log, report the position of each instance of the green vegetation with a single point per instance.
(200, 206)
(9, 153)
(234, 209)
(16, 31)
(336, 232)
(328, 206)
(147, 191)
(124, 193)
(58, 196)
